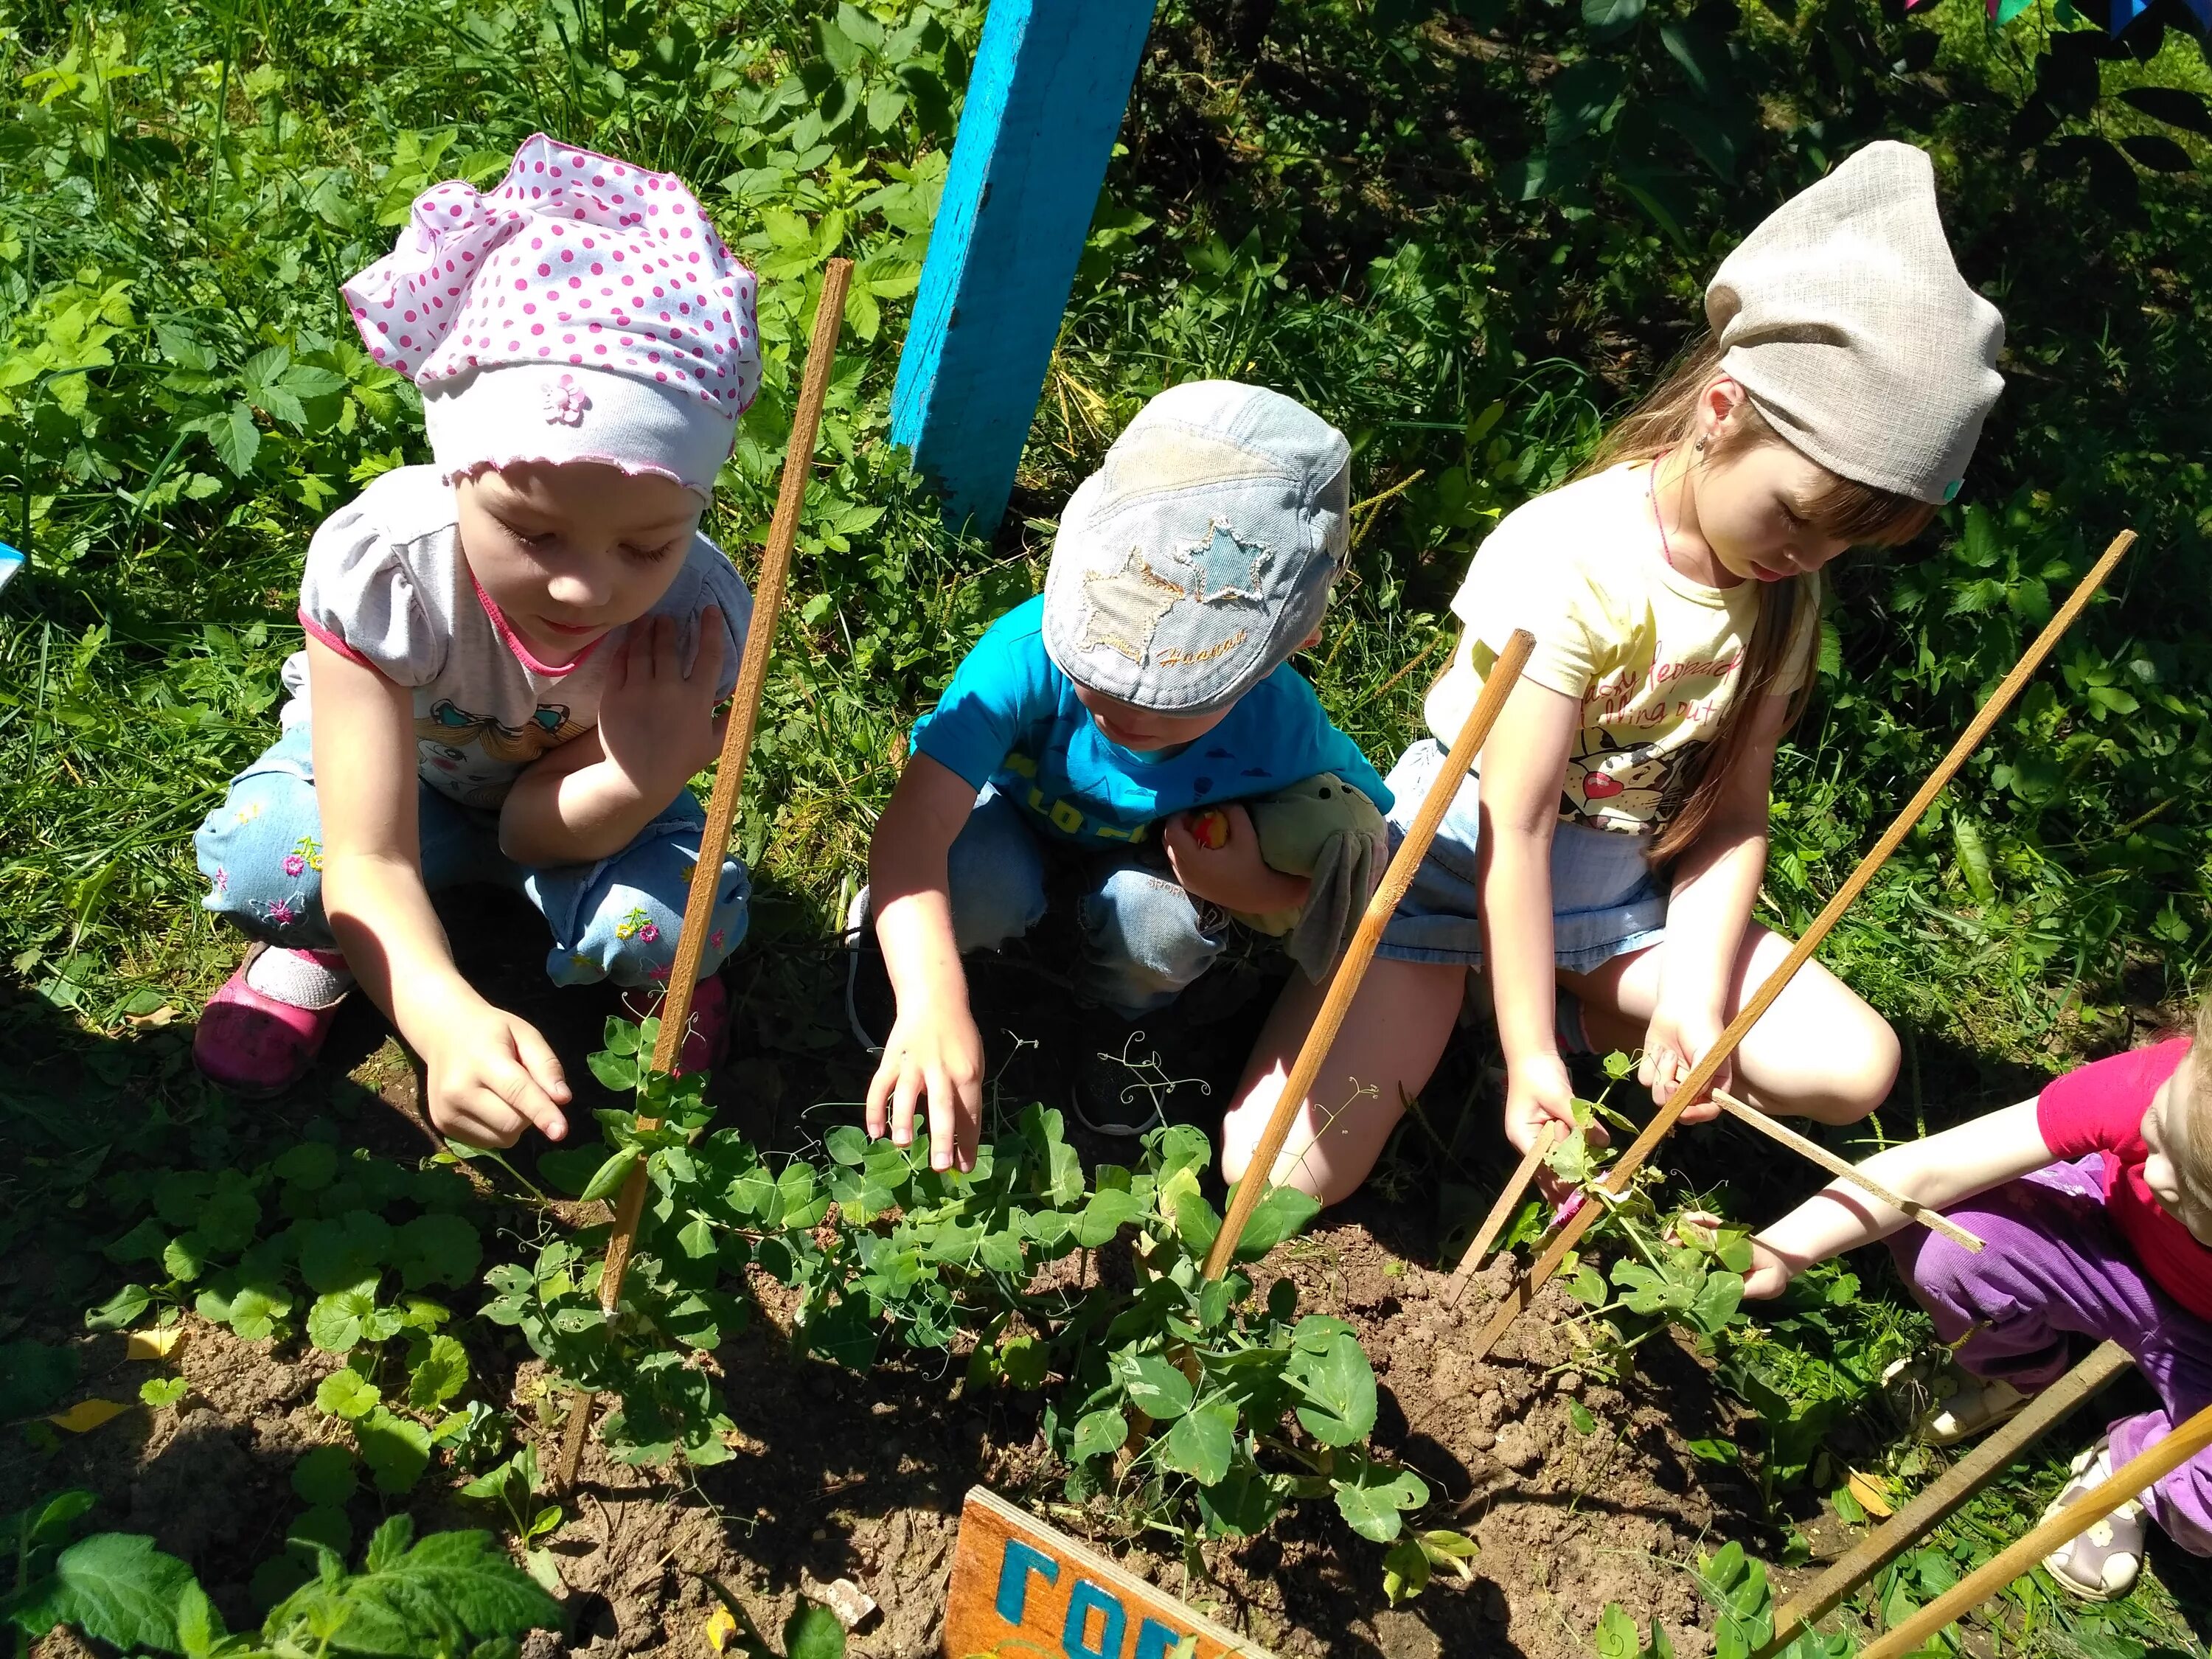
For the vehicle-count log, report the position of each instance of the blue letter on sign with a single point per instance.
(1155, 1640)
(1075, 1640)
(1044, 102)
(1014, 1570)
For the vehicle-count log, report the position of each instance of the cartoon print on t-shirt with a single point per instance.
(1626, 783)
(516, 745)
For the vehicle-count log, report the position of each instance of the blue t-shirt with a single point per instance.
(1010, 719)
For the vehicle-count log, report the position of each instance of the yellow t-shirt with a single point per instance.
(1654, 656)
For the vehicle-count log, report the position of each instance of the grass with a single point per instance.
(1337, 213)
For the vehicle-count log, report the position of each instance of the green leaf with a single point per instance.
(324, 1476)
(1406, 1575)
(334, 1323)
(813, 1633)
(1579, 1415)
(1374, 1499)
(347, 1394)
(1105, 1215)
(445, 1595)
(120, 1311)
(308, 1164)
(396, 1450)
(1973, 859)
(1196, 1224)
(1283, 1213)
(1099, 1433)
(442, 1373)
(1154, 1387)
(116, 1588)
(437, 1248)
(1202, 1441)
(1606, 18)
(615, 1071)
(848, 1143)
(611, 1174)
(160, 1391)
(1338, 1386)
(235, 438)
(621, 1037)
(1616, 1637)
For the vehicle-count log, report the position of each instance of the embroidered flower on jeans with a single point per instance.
(650, 933)
(660, 969)
(715, 939)
(633, 925)
(294, 865)
(223, 881)
(282, 913)
(565, 403)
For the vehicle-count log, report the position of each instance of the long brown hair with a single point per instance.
(1847, 509)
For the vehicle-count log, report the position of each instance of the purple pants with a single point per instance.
(2055, 1267)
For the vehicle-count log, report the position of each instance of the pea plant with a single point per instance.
(1196, 1406)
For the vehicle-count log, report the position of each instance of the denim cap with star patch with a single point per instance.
(1199, 558)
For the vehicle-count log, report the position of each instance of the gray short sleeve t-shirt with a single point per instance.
(386, 584)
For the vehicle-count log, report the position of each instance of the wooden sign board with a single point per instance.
(1021, 1590)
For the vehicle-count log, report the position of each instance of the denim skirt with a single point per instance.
(1604, 902)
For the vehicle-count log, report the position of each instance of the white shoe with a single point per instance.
(2102, 1563)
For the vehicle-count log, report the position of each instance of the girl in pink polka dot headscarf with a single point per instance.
(513, 655)
(583, 288)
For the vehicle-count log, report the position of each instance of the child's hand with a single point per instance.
(1767, 1277)
(657, 724)
(1673, 1042)
(1539, 1091)
(490, 1076)
(934, 1048)
(1226, 868)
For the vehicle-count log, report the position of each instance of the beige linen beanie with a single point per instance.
(1845, 317)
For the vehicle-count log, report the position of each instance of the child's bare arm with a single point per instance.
(934, 1050)
(489, 1074)
(1938, 1172)
(589, 799)
(1524, 766)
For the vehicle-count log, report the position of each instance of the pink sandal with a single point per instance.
(254, 1045)
(707, 1040)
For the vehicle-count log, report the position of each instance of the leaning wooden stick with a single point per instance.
(722, 805)
(1958, 1483)
(1509, 1200)
(1353, 966)
(2020, 1556)
(1814, 1151)
(1694, 1087)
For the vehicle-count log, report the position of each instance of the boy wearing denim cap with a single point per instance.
(1150, 681)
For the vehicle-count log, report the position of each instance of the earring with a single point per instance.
(1701, 446)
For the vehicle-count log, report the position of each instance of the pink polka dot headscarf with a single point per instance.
(585, 310)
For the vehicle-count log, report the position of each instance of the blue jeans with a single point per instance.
(1144, 938)
(261, 851)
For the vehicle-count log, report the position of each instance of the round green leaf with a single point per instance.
(324, 1476)
(1155, 1387)
(346, 1393)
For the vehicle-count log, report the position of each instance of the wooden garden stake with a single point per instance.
(1496, 687)
(1840, 1168)
(722, 805)
(1695, 1086)
(1958, 1483)
(2186, 1440)
(1509, 1200)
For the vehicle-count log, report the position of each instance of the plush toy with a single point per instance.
(1323, 828)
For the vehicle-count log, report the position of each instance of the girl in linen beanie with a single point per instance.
(512, 654)
(1600, 864)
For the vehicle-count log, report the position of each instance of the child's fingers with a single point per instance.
(482, 1120)
(505, 1080)
(707, 665)
(904, 1101)
(944, 1115)
(538, 1059)
(879, 1093)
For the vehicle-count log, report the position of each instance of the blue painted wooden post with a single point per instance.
(1051, 80)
